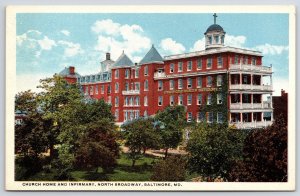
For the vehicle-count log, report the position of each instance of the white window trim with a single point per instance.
(187, 67)
(199, 99)
(180, 83)
(180, 70)
(160, 104)
(191, 100)
(172, 69)
(172, 102)
(207, 60)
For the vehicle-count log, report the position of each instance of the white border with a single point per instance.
(188, 186)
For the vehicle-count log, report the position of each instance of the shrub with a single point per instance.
(170, 169)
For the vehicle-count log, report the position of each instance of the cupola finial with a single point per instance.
(215, 18)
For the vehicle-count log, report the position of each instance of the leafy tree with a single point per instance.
(264, 155)
(170, 169)
(98, 146)
(213, 149)
(26, 101)
(56, 95)
(172, 122)
(139, 135)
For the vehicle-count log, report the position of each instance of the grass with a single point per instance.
(142, 171)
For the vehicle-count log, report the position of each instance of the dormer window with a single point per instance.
(209, 40)
(222, 39)
(216, 39)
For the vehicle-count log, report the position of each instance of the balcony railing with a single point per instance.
(245, 67)
(251, 125)
(131, 92)
(251, 87)
(159, 75)
(241, 106)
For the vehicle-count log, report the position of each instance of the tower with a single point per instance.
(214, 35)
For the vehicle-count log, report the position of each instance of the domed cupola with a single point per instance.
(214, 35)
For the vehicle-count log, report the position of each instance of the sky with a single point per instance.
(49, 42)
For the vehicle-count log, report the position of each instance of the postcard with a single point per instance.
(150, 98)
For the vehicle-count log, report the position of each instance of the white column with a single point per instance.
(240, 80)
(252, 100)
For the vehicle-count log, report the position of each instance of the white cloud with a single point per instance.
(114, 37)
(70, 48)
(107, 27)
(198, 45)
(65, 32)
(268, 49)
(171, 46)
(278, 84)
(29, 81)
(46, 43)
(235, 41)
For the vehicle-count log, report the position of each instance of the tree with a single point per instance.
(264, 155)
(213, 148)
(26, 102)
(139, 135)
(170, 169)
(98, 146)
(172, 121)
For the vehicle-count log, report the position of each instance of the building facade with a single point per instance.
(218, 84)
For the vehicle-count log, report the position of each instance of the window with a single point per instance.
(246, 60)
(117, 114)
(189, 117)
(171, 67)
(189, 99)
(136, 114)
(180, 84)
(220, 117)
(91, 90)
(180, 66)
(253, 61)
(209, 81)
(160, 101)
(219, 98)
(236, 59)
(200, 116)
(216, 39)
(131, 115)
(172, 100)
(209, 63)
(86, 90)
(208, 99)
(127, 73)
(116, 74)
(137, 101)
(137, 86)
(131, 101)
(190, 65)
(116, 87)
(126, 101)
(209, 117)
(199, 64)
(125, 116)
(160, 85)
(127, 86)
(116, 101)
(96, 89)
(145, 101)
(222, 39)
(189, 83)
(102, 89)
(219, 80)
(199, 82)
(171, 84)
(146, 85)
(109, 100)
(209, 40)
(136, 73)
(180, 100)
(146, 70)
(145, 113)
(220, 62)
(199, 99)
(108, 89)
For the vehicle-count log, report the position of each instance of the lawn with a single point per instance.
(142, 171)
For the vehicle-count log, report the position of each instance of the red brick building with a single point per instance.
(191, 79)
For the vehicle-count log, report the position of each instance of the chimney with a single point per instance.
(282, 92)
(72, 70)
(107, 56)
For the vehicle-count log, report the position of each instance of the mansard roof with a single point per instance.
(152, 56)
(123, 61)
(66, 72)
